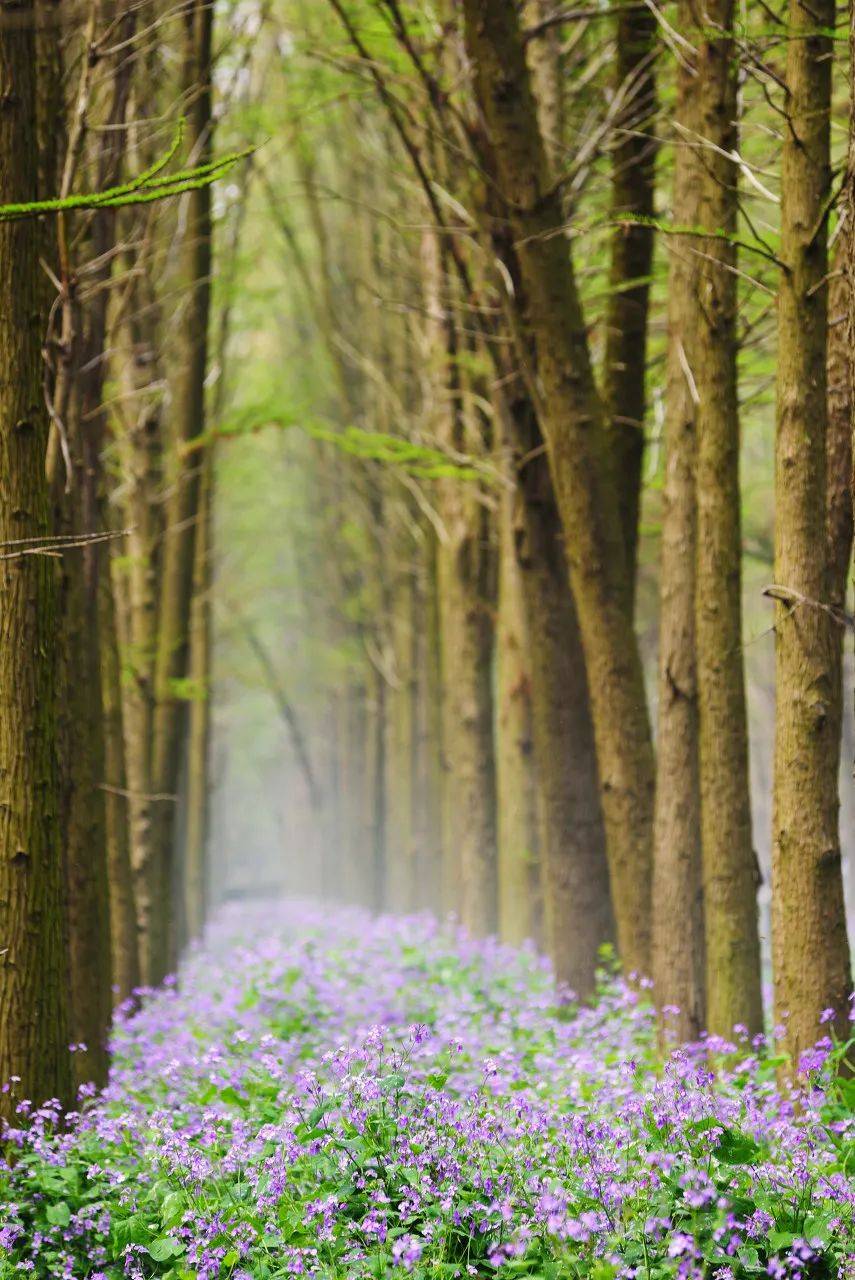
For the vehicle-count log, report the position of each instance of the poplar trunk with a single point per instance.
(195, 878)
(678, 954)
(123, 919)
(34, 1013)
(427, 749)
(632, 206)
(520, 905)
(810, 950)
(574, 427)
(730, 866)
(182, 509)
(579, 917)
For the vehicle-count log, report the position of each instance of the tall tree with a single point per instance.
(632, 205)
(730, 868)
(78, 360)
(194, 868)
(182, 505)
(574, 426)
(34, 1016)
(124, 952)
(678, 954)
(578, 915)
(466, 576)
(810, 950)
(516, 776)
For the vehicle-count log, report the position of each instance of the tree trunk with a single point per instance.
(136, 578)
(578, 914)
(182, 506)
(632, 196)
(516, 785)
(399, 729)
(377, 808)
(548, 79)
(427, 749)
(82, 772)
(574, 427)
(841, 403)
(579, 919)
(678, 954)
(34, 1021)
(810, 950)
(195, 878)
(466, 647)
(123, 916)
(730, 867)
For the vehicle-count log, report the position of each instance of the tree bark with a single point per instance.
(465, 593)
(82, 773)
(579, 918)
(398, 744)
(520, 906)
(182, 506)
(140, 448)
(427, 715)
(123, 917)
(632, 197)
(34, 1013)
(195, 872)
(578, 914)
(730, 867)
(841, 406)
(678, 952)
(574, 426)
(810, 950)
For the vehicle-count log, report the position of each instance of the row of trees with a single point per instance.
(103, 359)
(561, 234)
(486, 315)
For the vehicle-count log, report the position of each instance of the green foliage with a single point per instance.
(421, 461)
(188, 689)
(151, 185)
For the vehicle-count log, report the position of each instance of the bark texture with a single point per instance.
(159, 938)
(34, 1015)
(83, 811)
(574, 425)
(810, 950)
(140, 449)
(466, 604)
(730, 867)
(123, 918)
(516, 782)
(194, 866)
(427, 716)
(398, 746)
(678, 952)
(579, 919)
(632, 197)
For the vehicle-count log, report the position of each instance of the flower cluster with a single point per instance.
(326, 1094)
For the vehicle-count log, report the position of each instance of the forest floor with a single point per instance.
(327, 1094)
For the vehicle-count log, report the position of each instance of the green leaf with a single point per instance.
(132, 1230)
(165, 1247)
(172, 1209)
(58, 1214)
(735, 1147)
(230, 1095)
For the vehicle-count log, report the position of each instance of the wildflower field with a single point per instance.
(326, 1094)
